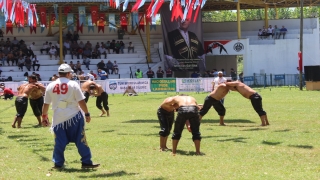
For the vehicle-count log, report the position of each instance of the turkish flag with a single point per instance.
(94, 14)
(79, 28)
(34, 16)
(43, 16)
(18, 9)
(136, 6)
(141, 19)
(123, 21)
(197, 11)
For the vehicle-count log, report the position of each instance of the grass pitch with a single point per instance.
(126, 143)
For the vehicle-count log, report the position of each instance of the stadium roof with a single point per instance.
(211, 5)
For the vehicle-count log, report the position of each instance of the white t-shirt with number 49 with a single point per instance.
(64, 94)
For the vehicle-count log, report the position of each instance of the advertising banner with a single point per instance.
(163, 85)
(120, 85)
(190, 85)
(225, 47)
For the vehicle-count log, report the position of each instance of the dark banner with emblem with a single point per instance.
(163, 85)
(225, 47)
(183, 44)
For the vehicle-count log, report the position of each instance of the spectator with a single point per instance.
(78, 66)
(113, 45)
(94, 54)
(130, 91)
(130, 47)
(168, 72)
(195, 74)
(121, 47)
(14, 43)
(80, 52)
(58, 47)
(94, 75)
(75, 36)
(3, 58)
(160, 72)
(73, 67)
(35, 62)
(261, 34)
(276, 32)
(0, 69)
(102, 51)
(45, 47)
(109, 66)
(115, 67)
(233, 75)
(1, 33)
(223, 72)
(74, 77)
(10, 57)
(74, 50)
(81, 45)
(69, 36)
(97, 46)
(270, 31)
(53, 78)
(87, 52)
(21, 63)
(283, 32)
(138, 74)
(37, 75)
(81, 76)
(88, 45)
(53, 52)
(107, 46)
(32, 46)
(101, 65)
(117, 47)
(30, 52)
(28, 63)
(67, 45)
(241, 77)
(7, 93)
(86, 61)
(102, 74)
(150, 73)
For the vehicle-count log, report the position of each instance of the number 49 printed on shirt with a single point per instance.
(60, 88)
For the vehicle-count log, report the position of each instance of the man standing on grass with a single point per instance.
(92, 88)
(256, 99)
(187, 109)
(68, 105)
(21, 102)
(36, 98)
(214, 99)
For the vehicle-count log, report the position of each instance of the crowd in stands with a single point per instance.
(273, 32)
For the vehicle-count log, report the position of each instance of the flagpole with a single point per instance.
(60, 36)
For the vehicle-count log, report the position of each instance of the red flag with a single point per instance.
(67, 9)
(136, 6)
(176, 11)
(101, 22)
(190, 10)
(79, 28)
(53, 18)
(123, 21)
(9, 8)
(33, 8)
(43, 16)
(18, 9)
(94, 14)
(141, 19)
(149, 10)
(9, 26)
(158, 7)
(197, 11)
(33, 29)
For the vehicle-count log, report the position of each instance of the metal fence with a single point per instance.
(265, 80)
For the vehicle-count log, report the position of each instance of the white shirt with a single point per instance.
(218, 81)
(45, 46)
(64, 94)
(67, 45)
(32, 47)
(52, 51)
(185, 36)
(58, 45)
(102, 49)
(270, 30)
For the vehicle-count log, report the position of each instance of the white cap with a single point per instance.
(220, 72)
(64, 68)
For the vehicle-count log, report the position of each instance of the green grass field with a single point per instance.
(126, 143)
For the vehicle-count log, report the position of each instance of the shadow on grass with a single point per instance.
(301, 146)
(19, 136)
(2, 147)
(105, 175)
(106, 131)
(215, 136)
(254, 129)
(239, 139)
(142, 121)
(187, 153)
(283, 130)
(42, 158)
(271, 143)
(227, 121)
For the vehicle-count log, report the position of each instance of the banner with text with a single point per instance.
(120, 85)
(163, 85)
(225, 47)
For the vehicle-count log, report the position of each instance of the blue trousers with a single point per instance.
(71, 132)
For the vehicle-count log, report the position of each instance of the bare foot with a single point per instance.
(262, 125)
(222, 124)
(13, 126)
(173, 154)
(19, 126)
(103, 113)
(199, 154)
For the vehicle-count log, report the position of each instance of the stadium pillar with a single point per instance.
(148, 42)
(276, 10)
(238, 19)
(266, 16)
(301, 43)
(50, 26)
(60, 36)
